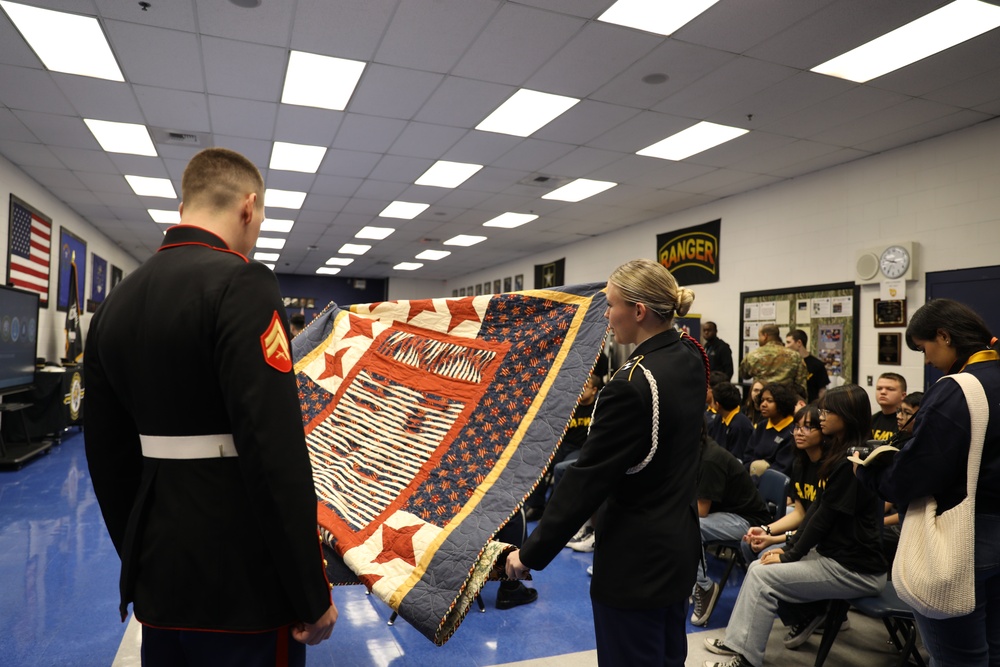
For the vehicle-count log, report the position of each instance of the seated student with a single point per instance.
(711, 412)
(770, 444)
(833, 555)
(890, 389)
(732, 429)
(751, 406)
(728, 504)
(891, 525)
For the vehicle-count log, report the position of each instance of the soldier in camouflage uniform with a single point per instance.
(773, 362)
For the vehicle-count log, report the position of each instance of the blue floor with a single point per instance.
(59, 599)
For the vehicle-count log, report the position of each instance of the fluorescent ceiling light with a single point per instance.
(163, 216)
(266, 256)
(408, 266)
(941, 29)
(268, 265)
(328, 270)
(354, 249)
(525, 112)
(444, 174)
(339, 261)
(296, 157)
(275, 244)
(691, 141)
(65, 42)
(579, 190)
(276, 225)
(433, 254)
(376, 233)
(403, 209)
(313, 80)
(115, 137)
(465, 240)
(283, 198)
(657, 16)
(145, 186)
(510, 220)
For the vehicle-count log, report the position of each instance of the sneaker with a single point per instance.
(515, 596)
(800, 632)
(584, 545)
(704, 603)
(585, 530)
(719, 647)
(735, 661)
(590, 570)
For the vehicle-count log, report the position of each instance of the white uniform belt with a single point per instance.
(188, 446)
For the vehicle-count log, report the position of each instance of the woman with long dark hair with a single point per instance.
(954, 339)
(834, 553)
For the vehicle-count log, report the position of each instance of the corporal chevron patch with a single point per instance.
(274, 342)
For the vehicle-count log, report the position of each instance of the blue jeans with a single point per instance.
(972, 640)
(719, 526)
(812, 578)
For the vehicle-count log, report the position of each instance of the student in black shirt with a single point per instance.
(890, 389)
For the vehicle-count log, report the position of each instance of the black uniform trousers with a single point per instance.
(641, 637)
(199, 648)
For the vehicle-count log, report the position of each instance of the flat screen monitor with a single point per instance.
(18, 339)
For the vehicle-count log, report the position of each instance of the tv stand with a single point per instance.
(18, 454)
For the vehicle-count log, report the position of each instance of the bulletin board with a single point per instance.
(828, 313)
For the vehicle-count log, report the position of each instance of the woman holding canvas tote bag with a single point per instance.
(948, 476)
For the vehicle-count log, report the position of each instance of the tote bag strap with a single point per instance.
(979, 415)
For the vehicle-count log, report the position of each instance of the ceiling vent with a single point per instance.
(543, 181)
(181, 138)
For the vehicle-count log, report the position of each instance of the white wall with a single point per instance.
(943, 194)
(51, 334)
(405, 288)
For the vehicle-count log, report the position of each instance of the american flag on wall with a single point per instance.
(29, 251)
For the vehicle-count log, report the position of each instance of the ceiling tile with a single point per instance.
(240, 69)
(58, 130)
(585, 122)
(241, 118)
(394, 92)
(885, 121)
(345, 29)
(77, 159)
(732, 82)
(425, 141)
(176, 110)
(156, 56)
(35, 91)
(737, 25)
(532, 154)
(307, 125)
(400, 169)
(103, 100)
(173, 15)
(267, 23)
(54, 178)
(12, 129)
(367, 133)
(463, 102)
(432, 35)
(29, 155)
(348, 163)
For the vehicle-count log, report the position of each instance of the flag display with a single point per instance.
(74, 335)
(550, 275)
(30, 249)
(428, 423)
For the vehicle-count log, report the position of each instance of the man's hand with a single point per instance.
(314, 633)
(515, 568)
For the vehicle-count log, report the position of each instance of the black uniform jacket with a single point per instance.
(178, 349)
(648, 539)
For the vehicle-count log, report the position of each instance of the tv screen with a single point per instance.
(18, 339)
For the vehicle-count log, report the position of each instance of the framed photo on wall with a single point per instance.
(890, 313)
(890, 348)
(116, 276)
(507, 284)
(71, 249)
(519, 282)
(496, 286)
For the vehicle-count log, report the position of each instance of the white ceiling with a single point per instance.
(436, 68)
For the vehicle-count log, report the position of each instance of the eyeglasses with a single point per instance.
(905, 413)
(805, 427)
(823, 412)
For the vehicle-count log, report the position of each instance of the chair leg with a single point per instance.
(482, 605)
(835, 615)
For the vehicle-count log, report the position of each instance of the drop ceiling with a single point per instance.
(435, 69)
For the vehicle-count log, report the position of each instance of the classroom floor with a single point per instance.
(59, 599)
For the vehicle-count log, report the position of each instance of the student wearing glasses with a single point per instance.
(834, 554)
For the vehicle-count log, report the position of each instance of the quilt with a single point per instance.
(428, 423)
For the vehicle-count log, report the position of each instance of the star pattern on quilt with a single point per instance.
(418, 306)
(397, 543)
(334, 364)
(461, 310)
(360, 326)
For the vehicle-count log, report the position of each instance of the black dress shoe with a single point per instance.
(514, 594)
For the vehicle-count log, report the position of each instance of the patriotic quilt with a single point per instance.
(428, 424)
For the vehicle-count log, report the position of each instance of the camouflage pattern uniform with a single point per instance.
(773, 362)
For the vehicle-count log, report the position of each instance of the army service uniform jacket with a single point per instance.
(189, 352)
(648, 538)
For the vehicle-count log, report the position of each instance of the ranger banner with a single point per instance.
(691, 254)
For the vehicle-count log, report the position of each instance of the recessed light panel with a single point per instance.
(145, 186)
(354, 249)
(325, 82)
(328, 270)
(510, 220)
(579, 190)
(164, 216)
(268, 265)
(465, 240)
(129, 138)
(433, 255)
(941, 29)
(283, 198)
(375, 233)
(657, 16)
(266, 256)
(403, 209)
(274, 244)
(276, 225)
(339, 261)
(445, 174)
(525, 112)
(296, 157)
(692, 141)
(408, 266)
(65, 42)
